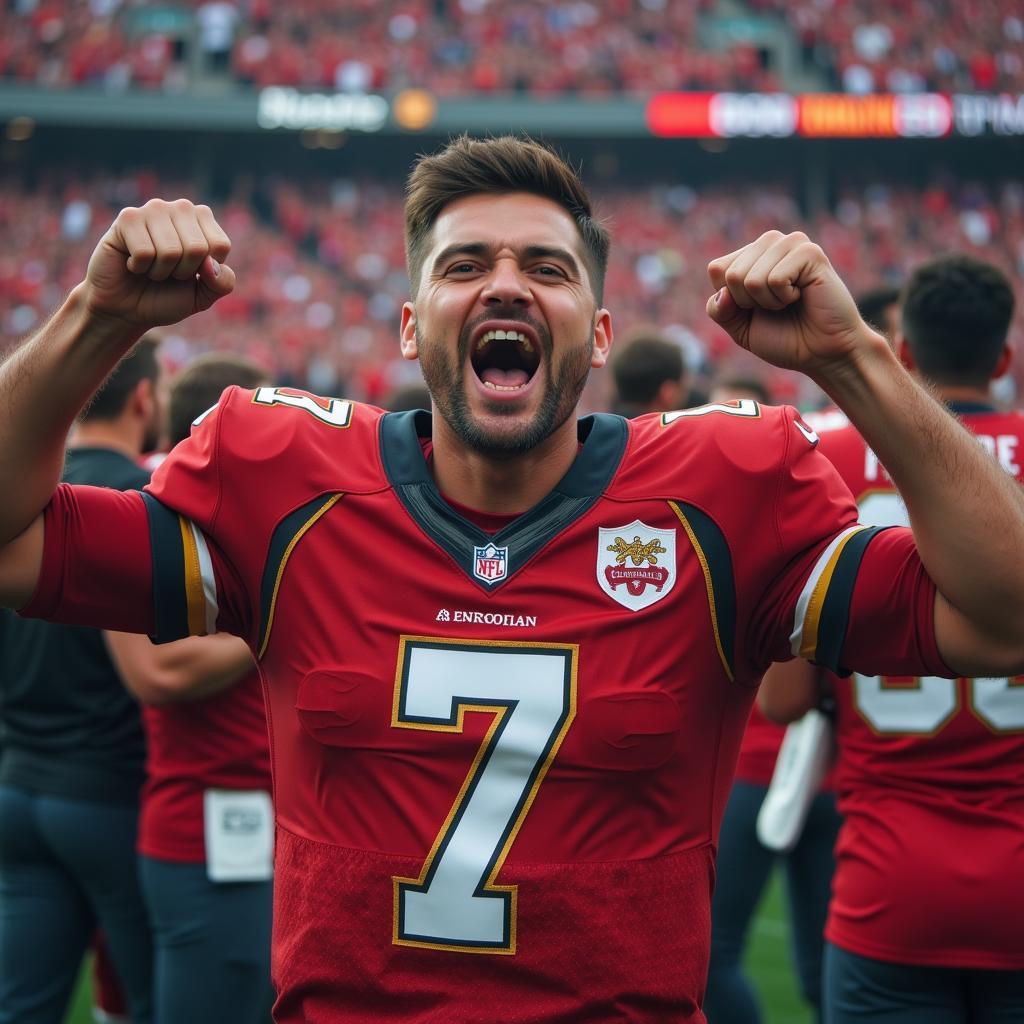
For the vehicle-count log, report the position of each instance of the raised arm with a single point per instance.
(780, 298)
(156, 265)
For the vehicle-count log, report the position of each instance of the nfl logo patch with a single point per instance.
(490, 564)
(636, 564)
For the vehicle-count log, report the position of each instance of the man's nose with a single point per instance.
(507, 284)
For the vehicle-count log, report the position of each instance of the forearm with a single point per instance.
(967, 514)
(43, 386)
(185, 670)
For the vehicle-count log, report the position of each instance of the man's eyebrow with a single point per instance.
(552, 252)
(459, 249)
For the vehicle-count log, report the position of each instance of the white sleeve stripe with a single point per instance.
(803, 602)
(209, 581)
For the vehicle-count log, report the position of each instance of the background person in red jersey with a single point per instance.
(508, 654)
(206, 822)
(927, 902)
(745, 864)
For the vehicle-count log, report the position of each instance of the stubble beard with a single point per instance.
(445, 379)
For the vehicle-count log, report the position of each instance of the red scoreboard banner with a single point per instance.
(727, 115)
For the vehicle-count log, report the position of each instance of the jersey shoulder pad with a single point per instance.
(708, 447)
(293, 435)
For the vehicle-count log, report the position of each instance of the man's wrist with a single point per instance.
(862, 375)
(105, 332)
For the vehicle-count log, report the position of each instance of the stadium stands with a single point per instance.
(481, 46)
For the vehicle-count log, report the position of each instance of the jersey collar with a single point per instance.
(602, 443)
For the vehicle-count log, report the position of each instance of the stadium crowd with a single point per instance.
(864, 46)
(594, 47)
(323, 274)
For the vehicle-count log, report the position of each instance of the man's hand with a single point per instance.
(158, 264)
(780, 298)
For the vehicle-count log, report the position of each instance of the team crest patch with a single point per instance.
(490, 563)
(636, 564)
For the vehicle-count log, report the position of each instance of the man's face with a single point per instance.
(505, 324)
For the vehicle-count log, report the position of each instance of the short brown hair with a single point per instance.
(140, 364)
(509, 163)
(957, 312)
(199, 386)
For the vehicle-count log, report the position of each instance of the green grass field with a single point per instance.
(768, 960)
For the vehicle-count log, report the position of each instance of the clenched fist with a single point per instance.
(158, 264)
(780, 298)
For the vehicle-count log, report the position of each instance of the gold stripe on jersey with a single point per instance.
(195, 597)
(287, 535)
(804, 639)
(709, 585)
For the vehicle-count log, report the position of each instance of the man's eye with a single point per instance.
(462, 268)
(548, 270)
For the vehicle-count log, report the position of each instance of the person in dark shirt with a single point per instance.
(72, 760)
(74, 751)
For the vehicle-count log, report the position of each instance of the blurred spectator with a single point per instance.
(648, 372)
(734, 389)
(412, 396)
(880, 307)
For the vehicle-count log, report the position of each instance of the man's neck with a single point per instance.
(951, 394)
(503, 486)
(107, 434)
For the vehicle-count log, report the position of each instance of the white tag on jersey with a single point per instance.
(239, 830)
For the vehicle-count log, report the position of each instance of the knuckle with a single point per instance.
(182, 205)
(772, 235)
(798, 237)
(194, 252)
(734, 277)
(203, 208)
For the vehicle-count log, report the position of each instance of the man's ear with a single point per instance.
(409, 346)
(902, 349)
(603, 338)
(1005, 358)
(143, 399)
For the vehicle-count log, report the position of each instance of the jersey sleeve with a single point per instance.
(196, 588)
(143, 562)
(848, 597)
(96, 568)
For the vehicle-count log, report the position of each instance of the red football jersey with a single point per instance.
(500, 760)
(217, 743)
(931, 781)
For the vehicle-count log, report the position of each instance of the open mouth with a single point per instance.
(505, 360)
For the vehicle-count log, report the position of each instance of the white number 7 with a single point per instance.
(530, 689)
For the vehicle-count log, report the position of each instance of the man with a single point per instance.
(74, 750)
(745, 864)
(73, 761)
(508, 655)
(206, 824)
(649, 374)
(924, 920)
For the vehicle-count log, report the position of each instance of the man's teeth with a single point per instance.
(503, 387)
(522, 339)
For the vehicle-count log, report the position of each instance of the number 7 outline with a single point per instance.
(482, 880)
